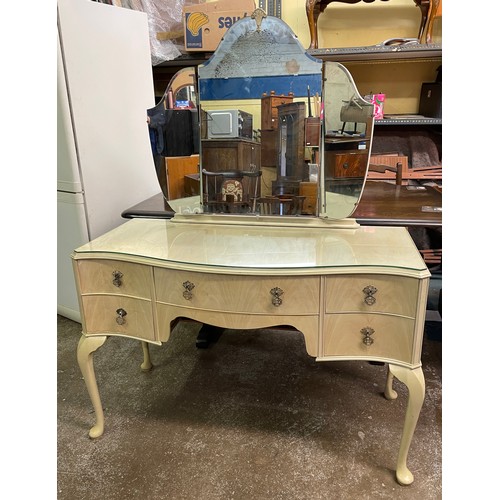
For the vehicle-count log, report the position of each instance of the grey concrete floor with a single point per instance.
(251, 417)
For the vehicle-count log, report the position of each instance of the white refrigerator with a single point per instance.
(104, 159)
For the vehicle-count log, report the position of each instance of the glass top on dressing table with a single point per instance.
(265, 248)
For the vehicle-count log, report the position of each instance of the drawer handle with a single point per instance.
(367, 333)
(370, 291)
(188, 286)
(117, 278)
(120, 319)
(276, 293)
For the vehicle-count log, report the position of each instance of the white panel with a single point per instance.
(68, 175)
(109, 75)
(71, 233)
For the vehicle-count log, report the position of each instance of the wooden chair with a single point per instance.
(430, 9)
(436, 10)
(281, 205)
(231, 191)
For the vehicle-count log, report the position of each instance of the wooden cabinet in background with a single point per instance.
(338, 165)
(230, 154)
(292, 140)
(270, 147)
(269, 109)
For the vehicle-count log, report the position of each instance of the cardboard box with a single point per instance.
(205, 24)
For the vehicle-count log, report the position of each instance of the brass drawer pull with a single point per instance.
(370, 291)
(276, 293)
(120, 319)
(117, 278)
(367, 333)
(188, 286)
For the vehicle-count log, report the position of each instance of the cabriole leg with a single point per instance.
(146, 364)
(389, 392)
(414, 381)
(85, 355)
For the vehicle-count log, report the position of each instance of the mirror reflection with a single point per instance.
(277, 131)
(260, 126)
(348, 124)
(174, 129)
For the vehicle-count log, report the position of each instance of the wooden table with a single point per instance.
(385, 204)
(381, 204)
(355, 293)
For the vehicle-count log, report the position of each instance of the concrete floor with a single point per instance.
(251, 417)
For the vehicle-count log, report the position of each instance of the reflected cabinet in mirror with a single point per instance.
(280, 133)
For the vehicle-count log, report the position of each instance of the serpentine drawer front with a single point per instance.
(112, 276)
(281, 295)
(370, 316)
(116, 298)
(368, 335)
(372, 293)
(118, 315)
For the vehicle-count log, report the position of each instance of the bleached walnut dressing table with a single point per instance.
(355, 293)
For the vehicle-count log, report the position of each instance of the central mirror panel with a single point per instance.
(260, 106)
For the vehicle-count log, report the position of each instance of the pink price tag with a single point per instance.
(378, 102)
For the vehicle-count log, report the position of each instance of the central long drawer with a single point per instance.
(280, 295)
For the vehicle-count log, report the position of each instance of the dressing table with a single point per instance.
(355, 293)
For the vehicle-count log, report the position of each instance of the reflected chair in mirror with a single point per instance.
(231, 191)
(281, 205)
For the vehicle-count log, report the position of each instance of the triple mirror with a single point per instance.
(277, 131)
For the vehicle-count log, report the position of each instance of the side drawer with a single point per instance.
(100, 316)
(345, 334)
(112, 276)
(238, 293)
(388, 294)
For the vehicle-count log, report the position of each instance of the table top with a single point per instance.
(210, 244)
(386, 204)
(382, 204)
